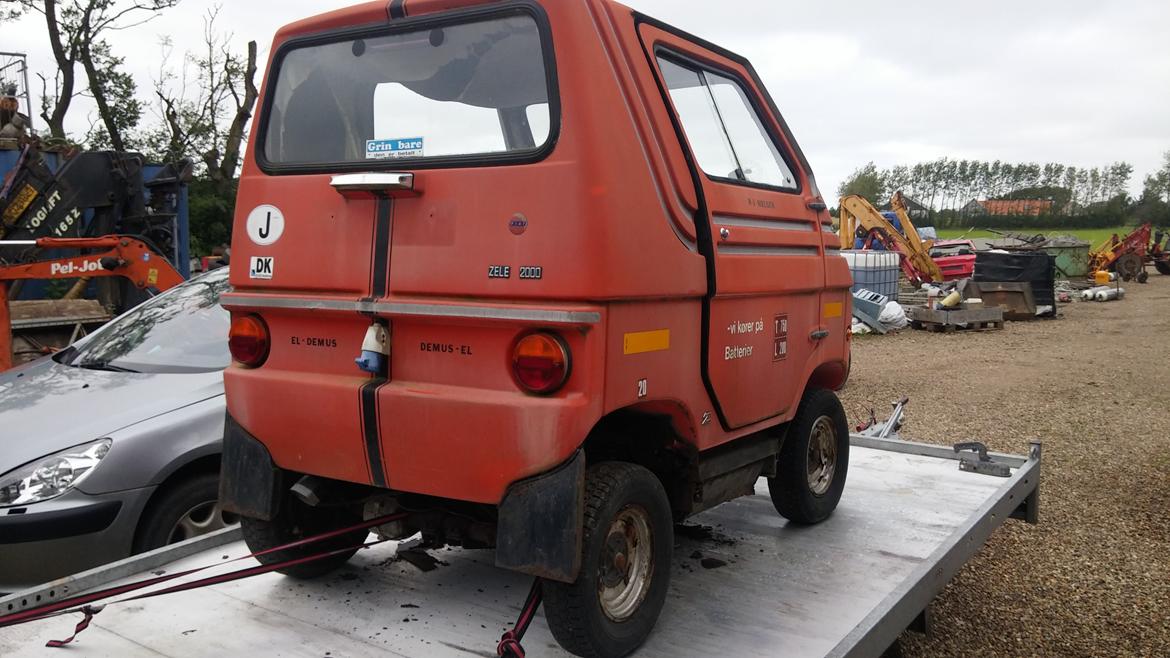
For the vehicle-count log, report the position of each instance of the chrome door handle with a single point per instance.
(819, 334)
(373, 184)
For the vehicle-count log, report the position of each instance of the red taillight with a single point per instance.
(540, 362)
(248, 340)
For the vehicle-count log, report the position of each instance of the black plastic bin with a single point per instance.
(1036, 268)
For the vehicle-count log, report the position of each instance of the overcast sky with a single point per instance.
(1081, 82)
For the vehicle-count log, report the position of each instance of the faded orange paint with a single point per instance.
(615, 221)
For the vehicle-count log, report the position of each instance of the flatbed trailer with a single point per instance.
(744, 582)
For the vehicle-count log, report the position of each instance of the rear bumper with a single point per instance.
(449, 422)
(452, 442)
(539, 522)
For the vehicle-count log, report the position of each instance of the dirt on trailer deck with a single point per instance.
(1093, 578)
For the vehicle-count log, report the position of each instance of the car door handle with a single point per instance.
(819, 334)
(816, 205)
(363, 186)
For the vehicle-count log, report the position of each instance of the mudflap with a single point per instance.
(539, 527)
(249, 482)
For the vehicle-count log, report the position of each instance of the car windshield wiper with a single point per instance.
(65, 356)
(100, 365)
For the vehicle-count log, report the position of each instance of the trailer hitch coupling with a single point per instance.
(984, 464)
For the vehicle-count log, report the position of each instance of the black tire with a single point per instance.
(297, 520)
(574, 611)
(182, 510)
(1143, 276)
(1163, 266)
(794, 497)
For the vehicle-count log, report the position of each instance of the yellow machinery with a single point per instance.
(859, 214)
(1126, 256)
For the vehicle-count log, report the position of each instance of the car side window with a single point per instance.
(726, 134)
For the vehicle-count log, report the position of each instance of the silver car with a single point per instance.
(112, 446)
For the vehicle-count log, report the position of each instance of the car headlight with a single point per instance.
(51, 476)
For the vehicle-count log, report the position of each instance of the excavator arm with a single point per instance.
(124, 256)
(898, 204)
(857, 213)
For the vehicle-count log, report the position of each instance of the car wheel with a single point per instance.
(626, 547)
(813, 461)
(186, 509)
(296, 520)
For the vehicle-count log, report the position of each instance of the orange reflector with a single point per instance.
(540, 362)
(248, 340)
(646, 341)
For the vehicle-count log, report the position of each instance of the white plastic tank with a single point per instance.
(874, 270)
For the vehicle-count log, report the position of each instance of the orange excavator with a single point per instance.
(123, 256)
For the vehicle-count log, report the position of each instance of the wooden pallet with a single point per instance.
(939, 327)
(981, 319)
(915, 298)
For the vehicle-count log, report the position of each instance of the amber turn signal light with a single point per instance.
(248, 340)
(540, 362)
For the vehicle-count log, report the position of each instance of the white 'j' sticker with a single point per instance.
(265, 224)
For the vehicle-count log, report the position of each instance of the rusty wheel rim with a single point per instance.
(821, 461)
(626, 564)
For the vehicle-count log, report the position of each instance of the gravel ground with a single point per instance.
(1093, 578)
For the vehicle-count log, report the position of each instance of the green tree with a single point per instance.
(77, 31)
(115, 93)
(867, 181)
(210, 209)
(205, 107)
(1158, 183)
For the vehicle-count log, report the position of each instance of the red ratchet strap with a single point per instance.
(65, 606)
(509, 646)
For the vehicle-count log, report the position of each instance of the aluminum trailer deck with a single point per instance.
(909, 519)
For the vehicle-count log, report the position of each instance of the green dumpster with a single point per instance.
(1072, 261)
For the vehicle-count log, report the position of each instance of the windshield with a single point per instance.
(459, 90)
(182, 330)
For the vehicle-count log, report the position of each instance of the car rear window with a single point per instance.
(460, 90)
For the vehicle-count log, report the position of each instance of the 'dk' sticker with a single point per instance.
(261, 267)
(393, 149)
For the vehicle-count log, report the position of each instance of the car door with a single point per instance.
(765, 247)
